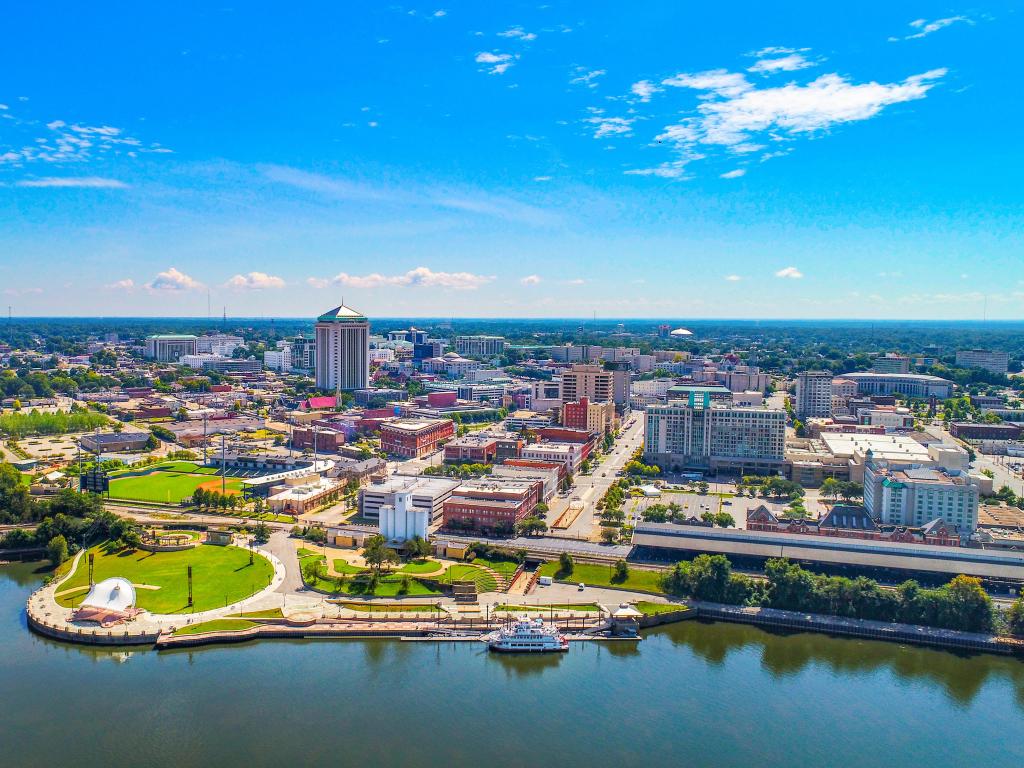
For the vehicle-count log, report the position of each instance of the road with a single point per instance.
(589, 489)
(1002, 475)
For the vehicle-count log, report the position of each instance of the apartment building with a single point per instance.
(813, 395)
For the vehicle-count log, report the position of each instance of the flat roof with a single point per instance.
(891, 447)
(430, 486)
(413, 425)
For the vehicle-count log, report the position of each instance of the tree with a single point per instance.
(565, 564)
(57, 550)
(725, 520)
(830, 488)
(621, 572)
(261, 532)
(416, 547)
(1015, 617)
(609, 535)
(377, 553)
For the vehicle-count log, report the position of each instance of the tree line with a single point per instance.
(961, 604)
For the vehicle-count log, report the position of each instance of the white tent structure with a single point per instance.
(109, 602)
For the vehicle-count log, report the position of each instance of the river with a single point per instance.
(691, 694)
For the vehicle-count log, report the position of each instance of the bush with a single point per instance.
(565, 564)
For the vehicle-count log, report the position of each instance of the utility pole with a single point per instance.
(206, 457)
(223, 470)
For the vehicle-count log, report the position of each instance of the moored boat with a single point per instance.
(527, 636)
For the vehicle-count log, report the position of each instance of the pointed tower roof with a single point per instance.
(341, 314)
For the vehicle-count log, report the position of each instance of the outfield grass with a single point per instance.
(220, 575)
(420, 566)
(215, 625)
(601, 576)
(168, 487)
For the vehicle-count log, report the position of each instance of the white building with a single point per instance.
(223, 344)
(170, 347)
(909, 384)
(813, 395)
(988, 360)
(569, 454)
(426, 493)
(342, 350)
(403, 520)
(480, 346)
(381, 355)
(917, 495)
(697, 434)
(278, 359)
(890, 417)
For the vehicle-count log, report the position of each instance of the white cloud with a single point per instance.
(421, 277)
(440, 13)
(542, 178)
(173, 280)
(494, 63)
(530, 280)
(587, 77)
(673, 169)
(518, 33)
(644, 89)
(317, 282)
(611, 126)
(733, 112)
(254, 281)
(734, 174)
(790, 63)
(925, 27)
(122, 285)
(733, 278)
(790, 272)
(89, 182)
(75, 143)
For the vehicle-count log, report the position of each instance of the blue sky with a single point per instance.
(656, 159)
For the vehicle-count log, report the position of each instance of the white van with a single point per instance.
(544, 581)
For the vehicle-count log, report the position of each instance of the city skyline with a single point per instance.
(449, 161)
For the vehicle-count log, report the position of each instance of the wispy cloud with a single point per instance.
(587, 77)
(733, 278)
(611, 126)
(734, 174)
(530, 280)
(127, 285)
(87, 182)
(421, 277)
(791, 273)
(173, 280)
(790, 63)
(63, 142)
(465, 200)
(254, 281)
(494, 63)
(924, 27)
(518, 33)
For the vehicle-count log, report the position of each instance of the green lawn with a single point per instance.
(484, 581)
(220, 575)
(344, 566)
(654, 609)
(216, 625)
(270, 613)
(600, 576)
(420, 566)
(388, 586)
(503, 567)
(589, 607)
(390, 607)
(168, 487)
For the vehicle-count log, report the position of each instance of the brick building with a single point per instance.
(491, 505)
(412, 438)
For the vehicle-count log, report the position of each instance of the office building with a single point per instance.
(278, 359)
(303, 353)
(891, 363)
(700, 434)
(480, 346)
(412, 336)
(426, 493)
(491, 505)
(590, 381)
(988, 360)
(918, 495)
(595, 418)
(412, 438)
(909, 384)
(342, 350)
(221, 364)
(169, 348)
(569, 455)
(813, 395)
(223, 344)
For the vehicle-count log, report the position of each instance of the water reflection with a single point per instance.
(961, 676)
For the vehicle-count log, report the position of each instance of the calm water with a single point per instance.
(689, 695)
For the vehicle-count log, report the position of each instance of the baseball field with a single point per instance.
(171, 482)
